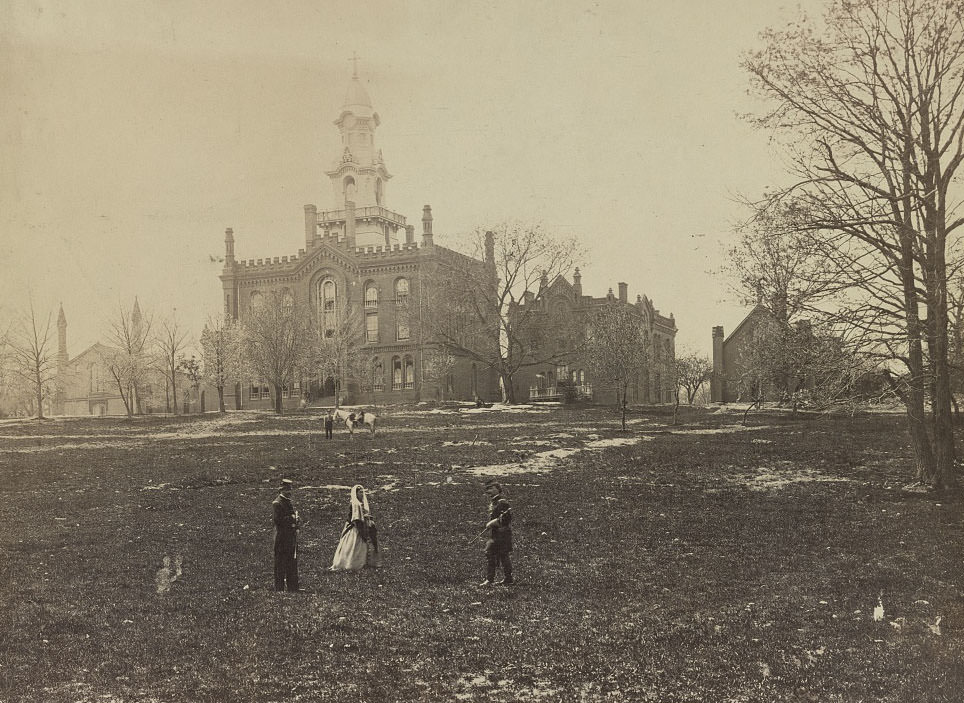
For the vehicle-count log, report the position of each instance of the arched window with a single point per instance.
(401, 291)
(378, 375)
(409, 373)
(287, 301)
(396, 373)
(256, 298)
(328, 297)
(349, 188)
(379, 191)
(371, 296)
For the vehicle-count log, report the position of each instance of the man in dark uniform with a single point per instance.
(499, 544)
(329, 424)
(285, 540)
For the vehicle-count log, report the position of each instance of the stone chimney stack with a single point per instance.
(623, 293)
(427, 226)
(409, 234)
(577, 283)
(717, 380)
(228, 248)
(350, 225)
(311, 224)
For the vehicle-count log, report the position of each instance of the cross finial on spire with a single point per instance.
(354, 60)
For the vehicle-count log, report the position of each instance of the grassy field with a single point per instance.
(702, 562)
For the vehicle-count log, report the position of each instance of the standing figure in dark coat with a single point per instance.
(285, 540)
(329, 424)
(499, 545)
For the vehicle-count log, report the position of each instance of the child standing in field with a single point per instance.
(499, 545)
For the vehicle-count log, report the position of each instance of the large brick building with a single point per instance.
(562, 310)
(361, 258)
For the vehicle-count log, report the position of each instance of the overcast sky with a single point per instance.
(134, 133)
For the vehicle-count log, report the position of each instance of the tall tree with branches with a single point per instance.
(871, 111)
(221, 353)
(129, 333)
(33, 357)
(617, 350)
(170, 343)
(693, 370)
(491, 313)
(336, 352)
(277, 340)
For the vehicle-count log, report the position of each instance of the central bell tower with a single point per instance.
(358, 174)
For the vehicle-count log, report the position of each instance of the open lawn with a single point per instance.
(702, 562)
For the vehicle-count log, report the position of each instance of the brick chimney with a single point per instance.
(427, 226)
(577, 283)
(409, 234)
(311, 224)
(717, 380)
(228, 248)
(623, 293)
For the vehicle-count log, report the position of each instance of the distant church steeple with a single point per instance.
(61, 337)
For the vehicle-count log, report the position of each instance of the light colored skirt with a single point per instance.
(353, 553)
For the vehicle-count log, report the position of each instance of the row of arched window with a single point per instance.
(327, 295)
(402, 373)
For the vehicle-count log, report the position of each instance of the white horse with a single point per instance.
(356, 419)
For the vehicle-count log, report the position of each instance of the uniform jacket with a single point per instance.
(285, 524)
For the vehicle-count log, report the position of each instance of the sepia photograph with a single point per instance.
(451, 352)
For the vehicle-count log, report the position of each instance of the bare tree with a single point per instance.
(221, 353)
(336, 351)
(33, 358)
(872, 113)
(191, 367)
(491, 312)
(617, 350)
(692, 371)
(129, 333)
(277, 340)
(171, 341)
(436, 368)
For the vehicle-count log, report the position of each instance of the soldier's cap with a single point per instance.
(286, 483)
(492, 482)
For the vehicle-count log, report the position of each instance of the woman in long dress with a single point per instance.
(358, 546)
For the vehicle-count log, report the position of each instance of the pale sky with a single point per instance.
(132, 134)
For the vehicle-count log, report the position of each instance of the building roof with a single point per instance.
(357, 101)
(758, 309)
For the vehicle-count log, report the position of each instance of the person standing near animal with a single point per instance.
(329, 424)
(358, 546)
(285, 539)
(499, 545)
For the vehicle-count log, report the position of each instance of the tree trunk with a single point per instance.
(221, 400)
(625, 386)
(174, 391)
(278, 406)
(507, 385)
(40, 398)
